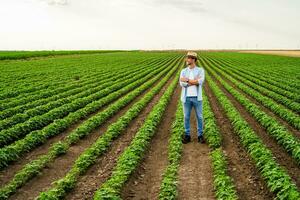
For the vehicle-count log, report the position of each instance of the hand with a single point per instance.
(183, 79)
(193, 82)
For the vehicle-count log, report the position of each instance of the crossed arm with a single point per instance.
(190, 81)
(185, 82)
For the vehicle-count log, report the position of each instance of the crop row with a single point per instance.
(4, 55)
(276, 178)
(49, 65)
(275, 129)
(57, 85)
(21, 106)
(260, 70)
(81, 92)
(27, 85)
(281, 111)
(276, 68)
(61, 147)
(284, 87)
(211, 131)
(37, 122)
(12, 106)
(129, 159)
(168, 187)
(224, 188)
(58, 89)
(291, 95)
(32, 77)
(49, 91)
(89, 156)
(12, 152)
(277, 97)
(223, 183)
(283, 91)
(268, 68)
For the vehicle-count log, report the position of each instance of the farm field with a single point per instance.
(108, 125)
(6, 55)
(292, 53)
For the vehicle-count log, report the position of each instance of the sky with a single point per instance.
(149, 24)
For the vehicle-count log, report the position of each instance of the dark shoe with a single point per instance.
(201, 139)
(186, 139)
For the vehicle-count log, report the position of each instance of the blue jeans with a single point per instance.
(187, 108)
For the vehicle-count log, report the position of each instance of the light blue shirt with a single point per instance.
(185, 73)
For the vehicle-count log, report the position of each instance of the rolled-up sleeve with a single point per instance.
(202, 77)
(182, 84)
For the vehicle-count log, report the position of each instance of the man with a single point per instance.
(191, 81)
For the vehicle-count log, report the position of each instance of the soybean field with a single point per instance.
(108, 125)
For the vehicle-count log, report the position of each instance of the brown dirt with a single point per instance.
(293, 130)
(265, 109)
(246, 177)
(280, 53)
(60, 166)
(102, 169)
(279, 153)
(8, 173)
(195, 170)
(145, 181)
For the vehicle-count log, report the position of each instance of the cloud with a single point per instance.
(147, 24)
(57, 2)
(256, 22)
(187, 5)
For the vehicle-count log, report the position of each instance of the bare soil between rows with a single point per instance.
(102, 169)
(8, 173)
(248, 182)
(195, 176)
(60, 166)
(293, 130)
(145, 181)
(280, 154)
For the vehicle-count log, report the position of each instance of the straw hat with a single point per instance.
(191, 54)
